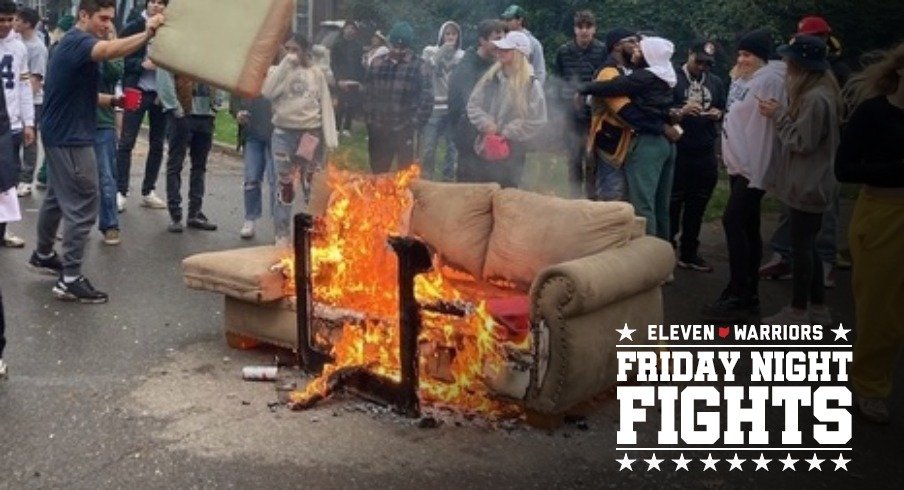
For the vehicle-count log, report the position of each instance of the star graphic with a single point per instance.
(654, 463)
(840, 332)
(840, 462)
(735, 463)
(625, 463)
(789, 463)
(761, 463)
(626, 333)
(709, 463)
(815, 463)
(681, 462)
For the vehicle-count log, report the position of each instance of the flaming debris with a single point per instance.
(354, 269)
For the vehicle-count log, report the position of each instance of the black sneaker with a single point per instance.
(695, 264)
(200, 222)
(729, 307)
(174, 227)
(78, 290)
(51, 266)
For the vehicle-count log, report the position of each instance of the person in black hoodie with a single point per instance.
(577, 61)
(700, 103)
(140, 73)
(649, 165)
(345, 61)
(476, 61)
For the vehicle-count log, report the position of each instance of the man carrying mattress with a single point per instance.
(70, 121)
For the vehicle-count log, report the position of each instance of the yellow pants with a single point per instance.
(877, 247)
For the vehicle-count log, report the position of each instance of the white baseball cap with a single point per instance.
(515, 40)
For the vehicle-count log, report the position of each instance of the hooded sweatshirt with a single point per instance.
(443, 59)
(301, 99)
(19, 97)
(492, 103)
(748, 137)
(804, 177)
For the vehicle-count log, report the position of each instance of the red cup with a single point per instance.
(131, 98)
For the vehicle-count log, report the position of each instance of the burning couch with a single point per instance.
(570, 272)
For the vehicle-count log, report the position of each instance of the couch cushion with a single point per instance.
(456, 219)
(532, 231)
(243, 273)
(241, 40)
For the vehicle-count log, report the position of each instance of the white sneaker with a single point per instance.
(153, 201)
(788, 316)
(4, 372)
(282, 242)
(820, 315)
(120, 202)
(23, 189)
(12, 241)
(247, 229)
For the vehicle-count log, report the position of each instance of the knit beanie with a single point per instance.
(401, 34)
(616, 35)
(758, 43)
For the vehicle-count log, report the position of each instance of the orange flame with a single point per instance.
(354, 268)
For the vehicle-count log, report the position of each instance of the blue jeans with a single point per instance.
(291, 170)
(105, 150)
(258, 164)
(610, 181)
(826, 240)
(439, 126)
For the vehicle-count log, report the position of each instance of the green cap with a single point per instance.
(513, 11)
(401, 34)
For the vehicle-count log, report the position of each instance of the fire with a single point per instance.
(355, 269)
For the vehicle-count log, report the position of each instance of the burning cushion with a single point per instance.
(533, 231)
(456, 219)
(238, 37)
(243, 273)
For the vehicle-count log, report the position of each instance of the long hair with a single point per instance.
(879, 77)
(801, 81)
(518, 85)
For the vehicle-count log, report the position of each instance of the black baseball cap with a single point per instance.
(704, 51)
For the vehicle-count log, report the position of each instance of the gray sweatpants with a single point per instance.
(71, 196)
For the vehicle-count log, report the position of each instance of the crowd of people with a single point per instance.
(639, 128)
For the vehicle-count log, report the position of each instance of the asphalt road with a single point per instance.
(143, 392)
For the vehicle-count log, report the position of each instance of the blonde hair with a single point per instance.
(800, 81)
(518, 85)
(738, 72)
(879, 77)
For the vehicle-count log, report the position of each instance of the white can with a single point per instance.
(259, 373)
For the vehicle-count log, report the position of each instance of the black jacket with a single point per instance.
(700, 132)
(651, 98)
(132, 70)
(345, 60)
(575, 66)
(461, 83)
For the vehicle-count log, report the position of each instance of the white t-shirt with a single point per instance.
(37, 63)
(14, 76)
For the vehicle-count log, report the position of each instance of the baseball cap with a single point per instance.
(704, 51)
(809, 52)
(513, 11)
(515, 40)
(814, 26)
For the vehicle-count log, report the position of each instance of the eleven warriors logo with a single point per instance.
(712, 410)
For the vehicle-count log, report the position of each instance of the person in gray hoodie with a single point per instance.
(442, 59)
(803, 177)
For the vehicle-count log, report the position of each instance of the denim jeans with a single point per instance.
(131, 124)
(105, 150)
(30, 152)
(826, 240)
(258, 164)
(291, 170)
(192, 135)
(610, 181)
(438, 127)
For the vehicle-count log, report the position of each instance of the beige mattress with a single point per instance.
(226, 43)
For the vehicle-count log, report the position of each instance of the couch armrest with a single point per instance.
(594, 281)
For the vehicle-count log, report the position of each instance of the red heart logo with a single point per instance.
(723, 332)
